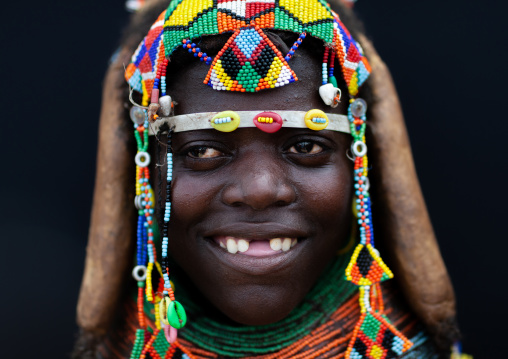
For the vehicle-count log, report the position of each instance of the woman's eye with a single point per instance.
(203, 152)
(306, 147)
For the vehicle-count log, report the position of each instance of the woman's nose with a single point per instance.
(259, 183)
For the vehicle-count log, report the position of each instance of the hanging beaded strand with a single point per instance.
(193, 49)
(297, 43)
(324, 70)
(175, 317)
(167, 216)
(144, 202)
(373, 335)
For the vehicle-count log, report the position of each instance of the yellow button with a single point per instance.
(316, 114)
(226, 126)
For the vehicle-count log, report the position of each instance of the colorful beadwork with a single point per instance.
(249, 62)
(146, 256)
(374, 337)
(190, 19)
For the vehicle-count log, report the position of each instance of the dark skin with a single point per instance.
(249, 184)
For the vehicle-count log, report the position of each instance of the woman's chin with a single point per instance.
(249, 309)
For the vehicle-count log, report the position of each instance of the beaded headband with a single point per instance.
(250, 62)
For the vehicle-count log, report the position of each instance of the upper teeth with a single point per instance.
(234, 245)
(243, 245)
(286, 244)
(231, 245)
(276, 244)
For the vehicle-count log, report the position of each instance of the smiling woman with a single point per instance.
(255, 228)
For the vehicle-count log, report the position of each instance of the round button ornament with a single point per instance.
(268, 122)
(226, 121)
(359, 107)
(138, 115)
(316, 120)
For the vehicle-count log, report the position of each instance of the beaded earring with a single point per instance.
(169, 314)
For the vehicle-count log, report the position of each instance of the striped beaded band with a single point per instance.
(203, 121)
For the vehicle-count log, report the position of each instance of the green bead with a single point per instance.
(176, 315)
(141, 284)
(333, 81)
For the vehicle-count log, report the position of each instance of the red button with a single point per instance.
(268, 122)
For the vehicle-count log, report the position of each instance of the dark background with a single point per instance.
(448, 61)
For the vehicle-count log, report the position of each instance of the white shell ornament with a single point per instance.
(328, 93)
(165, 102)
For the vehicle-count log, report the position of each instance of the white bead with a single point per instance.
(142, 159)
(139, 273)
(359, 149)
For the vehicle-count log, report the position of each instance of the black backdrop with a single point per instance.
(448, 61)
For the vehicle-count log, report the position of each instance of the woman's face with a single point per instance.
(257, 191)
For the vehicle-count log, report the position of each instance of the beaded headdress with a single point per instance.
(250, 62)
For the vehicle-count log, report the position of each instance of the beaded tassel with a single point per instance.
(373, 337)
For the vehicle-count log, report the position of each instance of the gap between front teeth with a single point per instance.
(234, 245)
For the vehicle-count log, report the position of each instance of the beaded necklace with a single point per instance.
(238, 341)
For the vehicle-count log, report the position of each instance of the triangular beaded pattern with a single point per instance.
(191, 19)
(366, 267)
(249, 62)
(376, 338)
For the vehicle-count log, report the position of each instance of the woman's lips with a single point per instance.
(263, 255)
(255, 247)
